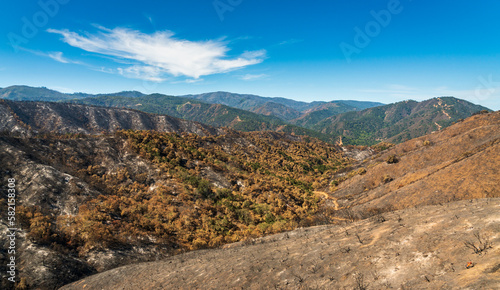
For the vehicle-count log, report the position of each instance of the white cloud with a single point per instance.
(55, 55)
(149, 73)
(192, 81)
(160, 53)
(58, 56)
(188, 81)
(251, 77)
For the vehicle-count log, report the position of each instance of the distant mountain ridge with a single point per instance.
(278, 110)
(44, 117)
(360, 123)
(253, 102)
(282, 108)
(128, 94)
(393, 123)
(27, 93)
(216, 115)
(396, 122)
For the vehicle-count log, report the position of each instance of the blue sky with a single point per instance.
(377, 50)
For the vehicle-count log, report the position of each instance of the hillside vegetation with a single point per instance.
(315, 115)
(396, 122)
(141, 195)
(43, 94)
(418, 248)
(216, 115)
(96, 197)
(251, 102)
(387, 235)
(459, 162)
(278, 110)
(357, 122)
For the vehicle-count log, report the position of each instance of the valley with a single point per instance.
(358, 123)
(105, 187)
(249, 145)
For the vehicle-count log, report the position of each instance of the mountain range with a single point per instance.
(361, 123)
(27, 93)
(31, 118)
(274, 106)
(92, 203)
(396, 122)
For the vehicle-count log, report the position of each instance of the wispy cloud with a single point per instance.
(55, 55)
(160, 53)
(150, 73)
(58, 56)
(188, 81)
(252, 77)
(63, 89)
(149, 18)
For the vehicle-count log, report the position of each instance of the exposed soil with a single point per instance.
(418, 248)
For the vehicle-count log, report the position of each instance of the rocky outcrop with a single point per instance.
(49, 182)
(62, 118)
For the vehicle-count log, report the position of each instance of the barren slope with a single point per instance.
(23, 117)
(418, 248)
(460, 162)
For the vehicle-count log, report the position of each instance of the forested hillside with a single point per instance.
(216, 115)
(357, 122)
(140, 195)
(397, 122)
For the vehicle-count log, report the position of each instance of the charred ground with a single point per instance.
(96, 202)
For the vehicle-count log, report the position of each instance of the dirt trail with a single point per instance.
(440, 104)
(448, 115)
(376, 236)
(327, 196)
